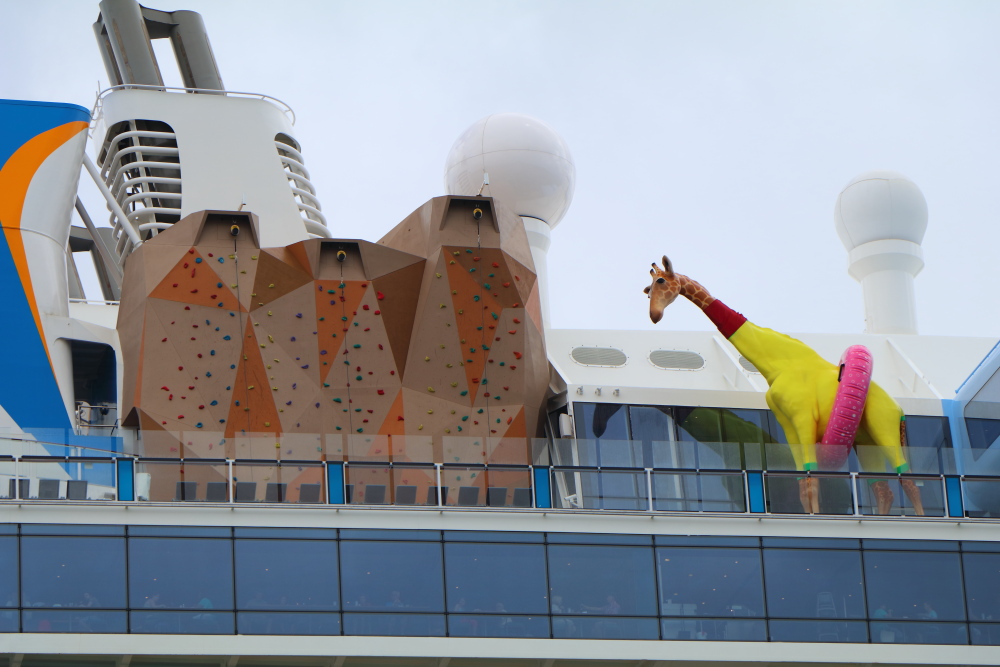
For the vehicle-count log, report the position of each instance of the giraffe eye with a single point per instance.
(661, 280)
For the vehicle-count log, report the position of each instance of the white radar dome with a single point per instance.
(880, 205)
(529, 165)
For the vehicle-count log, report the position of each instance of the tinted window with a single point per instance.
(496, 578)
(73, 572)
(601, 420)
(8, 572)
(602, 580)
(180, 573)
(286, 574)
(390, 576)
(982, 585)
(915, 585)
(710, 582)
(808, 583)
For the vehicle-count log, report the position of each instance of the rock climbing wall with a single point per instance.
(426, 347)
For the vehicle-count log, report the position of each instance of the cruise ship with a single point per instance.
(270, 445)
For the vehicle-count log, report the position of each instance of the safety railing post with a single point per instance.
(649, 489)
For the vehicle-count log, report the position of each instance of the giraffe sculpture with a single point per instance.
(801, 390)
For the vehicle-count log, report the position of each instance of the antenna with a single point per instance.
(486, 181)
(243, 201)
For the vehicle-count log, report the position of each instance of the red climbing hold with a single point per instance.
(380, 346)
(364, 307)
(381, 392)
(399, 418)
(175, 284)
(165, 388)
(379, 295)
(180, 368)
(518, 355)
(495, 265)
(512, 332)
(378, 312)
(164, 340)
(202, 407)
(506, 284)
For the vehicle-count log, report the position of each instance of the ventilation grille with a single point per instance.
(676, 360)
(302, 188)
(598, 356)
(745, 363)
(140, 164)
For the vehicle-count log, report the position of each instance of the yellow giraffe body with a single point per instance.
(801, 389)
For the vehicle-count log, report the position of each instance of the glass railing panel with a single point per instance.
(456, 449)
(8, 478)
(57, 442)
(468, 625)
(414, 484)
(604, 627)
(288, 623)
(508, 487)
(508, 451)
(782, 491)
(855, 632)
(540, 454)
(372, 448)
(568, 452)
(698, 492)
(413, 448)
(981, 496)
(179, 481)
(368, 484)
(464, 486)
(394, 625)
(896, 495)
(75, 621)
(593, 489)
(43, 478)
(300, 447)
(985, 634)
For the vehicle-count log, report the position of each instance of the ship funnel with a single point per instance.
(124, 30)
(881, 217)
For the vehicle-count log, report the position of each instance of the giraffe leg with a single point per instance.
(809, 494)
(913, 493)
(883, 496)
(801, 434)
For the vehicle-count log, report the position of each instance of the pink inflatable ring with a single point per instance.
(848, 407)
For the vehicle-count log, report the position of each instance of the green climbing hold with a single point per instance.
(337, 400)
(486, 285)
(476, 297)
(464, 392)
(357, 346)
(494, 316)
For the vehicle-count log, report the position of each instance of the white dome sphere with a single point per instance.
(879, 205)
(530, 167)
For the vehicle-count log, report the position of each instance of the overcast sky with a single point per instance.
(718, 133)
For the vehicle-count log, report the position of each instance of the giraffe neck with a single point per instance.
(694, 292)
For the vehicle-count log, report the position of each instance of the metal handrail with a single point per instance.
(99, 102)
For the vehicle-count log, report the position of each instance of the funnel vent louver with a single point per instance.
(302, 188)
(140, 164)
(677, 360)
(599, 356)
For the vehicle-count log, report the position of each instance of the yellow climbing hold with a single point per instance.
(461, 311)
(454, 384)
(269, 336)
(253, 293)
(430, 412)
(442, 305)
(427, 358)
(269, 315)
(452, 412)
(430, 389)
(250, 387)
(271, 285)
(269, 365)
(420, 428)
(447, 430)
(233, 285)
(253, 256)
(438, 275)
(267, 423)
(454, 291)
(262, 345)
(442, 346)
(447, 365)
(232, 257)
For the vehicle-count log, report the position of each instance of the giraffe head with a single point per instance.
(664, 289)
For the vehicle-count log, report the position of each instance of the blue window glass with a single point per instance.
(8, 572)
(985, 634)
(914, 585)
(73, 572)
(603, 580)
(294, 623)
(918, 633)
(710, 582)
(286, 574)
(496, 578)
(183, 622)
(855, 632)
(76, 621)
(982, 585)
(394, 625)
(10, 620)
(601, 420)
(605, 627)
(809, 583)
(714, 629)
(181, 574)
(463, 625)
(390, 576)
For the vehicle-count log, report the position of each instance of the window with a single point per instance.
(710, 582)
(496, 578)
(180, 573)
(391, 576)
(290, 575)
(914, 585)
(809, 583)
(602, 580)
(73, 572)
